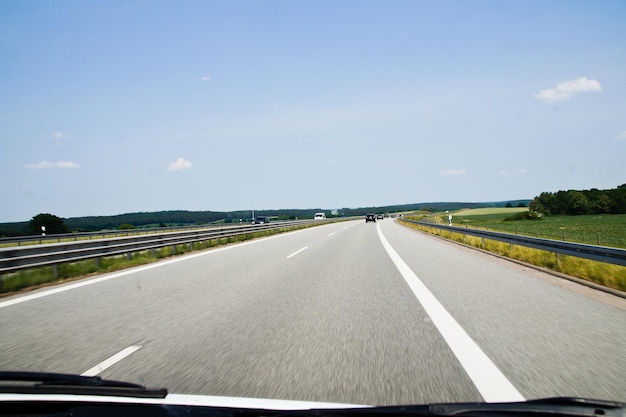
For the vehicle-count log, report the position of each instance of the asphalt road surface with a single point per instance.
(349, 312)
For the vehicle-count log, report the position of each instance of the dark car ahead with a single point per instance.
(370, 217)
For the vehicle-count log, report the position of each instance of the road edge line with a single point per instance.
(488, 379)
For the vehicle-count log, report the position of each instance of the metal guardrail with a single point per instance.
(18, 258)
(51, 238)
(605, 254)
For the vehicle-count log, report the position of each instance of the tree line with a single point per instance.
(575, 202)
(55, 225)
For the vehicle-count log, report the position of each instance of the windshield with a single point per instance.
(167, 129)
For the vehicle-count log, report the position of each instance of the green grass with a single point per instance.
(605, 230)
(495, 211)
(613, 276)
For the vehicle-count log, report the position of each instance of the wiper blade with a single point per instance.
(56, 383)
(553, 407)
(558, 406)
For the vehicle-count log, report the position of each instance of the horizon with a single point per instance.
(122, 107)
(287, 209)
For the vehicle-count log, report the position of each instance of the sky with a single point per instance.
(111, 107)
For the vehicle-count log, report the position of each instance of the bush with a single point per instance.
(524, 215)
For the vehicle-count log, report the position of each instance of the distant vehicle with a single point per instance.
(370, 217)
(319, 216)
(380, 217)
(261, 220)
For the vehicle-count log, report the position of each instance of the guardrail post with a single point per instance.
(129, 256)
(98, 262)
(57, 272)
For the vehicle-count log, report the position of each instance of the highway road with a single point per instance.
(348, 312)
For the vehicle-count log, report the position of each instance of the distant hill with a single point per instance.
(182, 217)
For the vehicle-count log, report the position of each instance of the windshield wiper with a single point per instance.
(553, 407)
(55, 383)
(17, 382)
(559, 406)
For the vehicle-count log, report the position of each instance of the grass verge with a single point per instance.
(613, 276)
(605, 230)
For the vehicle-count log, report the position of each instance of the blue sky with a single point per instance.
(124, 106)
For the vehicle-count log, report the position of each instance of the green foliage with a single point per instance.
(126, 226)
(524, 215)
(574, 202)
(51, 223)
(605, 230)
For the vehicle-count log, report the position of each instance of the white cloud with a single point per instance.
(567, 89)
(551, 95)
(579, 85)
(453, 172)
(206, 78)
(621, 136)
(179, 164)
(46, 165)
(504, 172)
(60, 137)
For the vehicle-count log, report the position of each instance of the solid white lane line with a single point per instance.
(111, 361)
(331, 234)
(490, 382)
(297, 252)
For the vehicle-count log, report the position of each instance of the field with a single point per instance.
(605, 230)
(493, 211)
